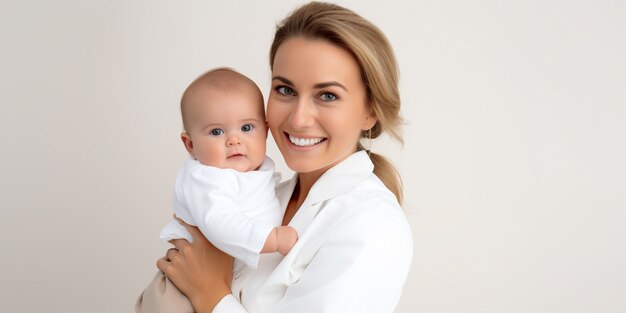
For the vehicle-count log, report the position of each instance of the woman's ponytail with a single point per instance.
(386, 172)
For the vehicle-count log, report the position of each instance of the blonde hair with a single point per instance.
(379, 69)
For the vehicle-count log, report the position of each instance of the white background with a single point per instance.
(514, 163)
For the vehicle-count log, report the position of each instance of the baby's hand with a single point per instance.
(287, 237)
(281, 240)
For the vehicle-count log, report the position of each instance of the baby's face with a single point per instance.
(227, 130)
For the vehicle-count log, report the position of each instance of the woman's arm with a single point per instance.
(201, 271)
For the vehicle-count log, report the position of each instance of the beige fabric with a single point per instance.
(161, 296)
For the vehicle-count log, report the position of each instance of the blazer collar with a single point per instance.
(338, 180)
(341, 178)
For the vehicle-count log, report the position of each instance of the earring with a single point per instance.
(368, 142)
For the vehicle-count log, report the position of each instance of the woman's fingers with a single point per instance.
(198, 268)
(171, 253)
(164, 265)
(180, 244)
(193, 230)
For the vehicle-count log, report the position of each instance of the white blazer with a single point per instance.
(353, 254)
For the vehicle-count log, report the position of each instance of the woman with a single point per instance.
(334, 81)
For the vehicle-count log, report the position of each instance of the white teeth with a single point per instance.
(304, 142)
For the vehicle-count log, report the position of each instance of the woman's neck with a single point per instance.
(299, 194)
(305, 182)
(302, 189)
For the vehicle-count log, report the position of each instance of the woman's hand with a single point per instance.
(199, 270)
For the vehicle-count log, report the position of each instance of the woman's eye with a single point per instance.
(246, 128)
(327, 96)
(217, 132)
(284, 90)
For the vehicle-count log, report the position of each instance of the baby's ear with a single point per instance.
(184, 136)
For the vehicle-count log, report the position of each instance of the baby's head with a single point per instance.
(224, 120)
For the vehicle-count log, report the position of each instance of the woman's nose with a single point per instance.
(302, 115)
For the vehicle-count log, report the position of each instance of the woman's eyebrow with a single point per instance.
(282, 79)
(316, 86)
(328, 84)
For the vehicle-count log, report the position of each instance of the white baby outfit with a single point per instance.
(235, 211)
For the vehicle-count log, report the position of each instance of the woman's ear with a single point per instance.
(184, 136)
(369, 121)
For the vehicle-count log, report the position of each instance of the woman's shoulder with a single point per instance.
(372, 195)
(370, 226)
(371, 208)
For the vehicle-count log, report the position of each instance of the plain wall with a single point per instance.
(514, 161)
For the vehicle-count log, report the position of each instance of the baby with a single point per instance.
(226, 187)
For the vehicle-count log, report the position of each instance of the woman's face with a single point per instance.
(317, 106)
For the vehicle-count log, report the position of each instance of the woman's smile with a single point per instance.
(302, 141)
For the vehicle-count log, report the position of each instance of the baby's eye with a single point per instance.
(247, 127)
(286, 91)
(327, 96)
(217, 132)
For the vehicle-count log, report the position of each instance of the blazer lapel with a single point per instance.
(338, 180)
